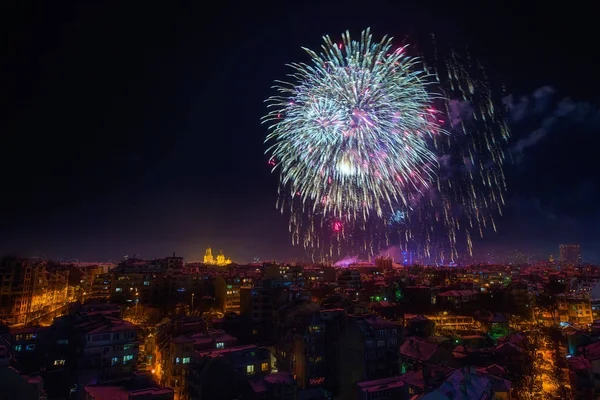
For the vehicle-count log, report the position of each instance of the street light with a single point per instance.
(193, 294)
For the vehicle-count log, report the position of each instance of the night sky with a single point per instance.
(136, 130)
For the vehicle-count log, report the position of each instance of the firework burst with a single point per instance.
(359, 136)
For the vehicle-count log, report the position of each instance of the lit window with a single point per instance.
(118, 289)
(146, 283)
(59, 362)
(18, 347)
(186, 360)
(220, 345)
(30, 347)
(127, 357)
(250, 369)
(114, 360)
(177, 360)
(264, 367)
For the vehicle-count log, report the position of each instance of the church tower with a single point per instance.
(208, 257)
(221, 258)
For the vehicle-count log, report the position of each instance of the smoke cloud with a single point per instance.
(543, 106)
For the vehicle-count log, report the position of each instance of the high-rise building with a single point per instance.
(570, 253)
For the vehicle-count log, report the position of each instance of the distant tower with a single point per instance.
(208, 257)
(570, 254)
(220, 258)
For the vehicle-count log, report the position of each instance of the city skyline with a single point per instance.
(153, 150)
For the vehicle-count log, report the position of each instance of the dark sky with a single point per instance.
(133, 129)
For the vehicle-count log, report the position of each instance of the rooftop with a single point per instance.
(113, 325)
(380, 384)
(223, 352)
(418, 349)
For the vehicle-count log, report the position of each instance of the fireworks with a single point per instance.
(366, 133)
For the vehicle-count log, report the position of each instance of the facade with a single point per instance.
(175, 357)
(31, 290)
(228, 292)
(575, 309)
(313, 354)
(101, 286)
(106, 349)
(368, 350)
(350, 279)
(221, 373)
(136, 280)
(259, 304)
(286, 275)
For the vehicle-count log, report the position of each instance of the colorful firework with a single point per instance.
(366, 133)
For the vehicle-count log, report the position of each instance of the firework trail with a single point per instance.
(363, 138)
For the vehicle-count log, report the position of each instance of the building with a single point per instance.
(570, 254)
(221, 260)
(101, 286)
(417, 353)
(176, 355)
(136, 280)
(368, 350)
(286, 275)
(456, 299)
(139, 387)
(386, 388)
(350, 279)
(222, 373)
(227, 292)
(106, 348)
(275, 386)
(31, 290)
(15, 385)
(466, 383)
(259, 304)
(574, 309)
(313, 355)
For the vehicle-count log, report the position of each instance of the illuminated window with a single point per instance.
(59, 362)
(127, 357)
(18, 347)
(186, 360)
(264, 367)
(220, 345)
(146, 283)
(118, 289)
(250, 369)
(30, 347)
(114, 360)
(177, 360)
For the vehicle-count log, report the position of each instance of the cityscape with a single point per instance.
(300, 201)
(374, 329)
